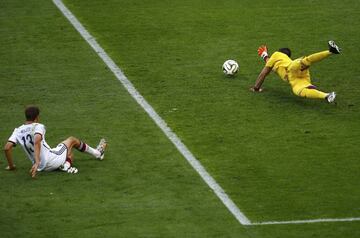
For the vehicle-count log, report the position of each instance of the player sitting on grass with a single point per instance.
(296, 72)
(31, 137)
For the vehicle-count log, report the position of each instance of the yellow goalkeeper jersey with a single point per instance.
(279, 63)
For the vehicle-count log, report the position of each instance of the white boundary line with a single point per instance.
(157, 119)
(306, 221)
(209, 180)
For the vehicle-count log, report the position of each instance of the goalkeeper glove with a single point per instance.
(262, 52)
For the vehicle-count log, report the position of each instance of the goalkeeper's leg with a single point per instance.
(333, 49)
(309, 60)
(311, 92)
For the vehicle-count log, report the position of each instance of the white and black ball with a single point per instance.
(230, 67)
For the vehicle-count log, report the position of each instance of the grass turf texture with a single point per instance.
(279, 157)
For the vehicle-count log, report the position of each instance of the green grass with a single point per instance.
(279, 157)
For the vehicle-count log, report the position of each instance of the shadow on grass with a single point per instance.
(285, 98)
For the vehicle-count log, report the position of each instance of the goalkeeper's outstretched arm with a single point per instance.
(263, 53)
(260, 80)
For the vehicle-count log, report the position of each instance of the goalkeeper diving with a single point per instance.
(295, 72)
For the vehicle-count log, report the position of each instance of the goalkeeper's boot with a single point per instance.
(333, 48)
(101, 148)
(330, 98)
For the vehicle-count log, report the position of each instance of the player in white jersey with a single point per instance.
(31, 137)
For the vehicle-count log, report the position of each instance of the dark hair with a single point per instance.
(286, 51)
(31, 112)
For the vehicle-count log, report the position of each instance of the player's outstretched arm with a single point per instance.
(260, 80)
(37, 147)
(8, 154)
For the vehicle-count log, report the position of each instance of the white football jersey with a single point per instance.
(24, 135)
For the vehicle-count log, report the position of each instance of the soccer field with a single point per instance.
(277, 156)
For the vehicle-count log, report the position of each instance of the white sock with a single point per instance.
(92, 151)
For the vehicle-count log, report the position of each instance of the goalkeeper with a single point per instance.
(295, 72)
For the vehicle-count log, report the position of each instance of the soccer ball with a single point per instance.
(230, 67)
